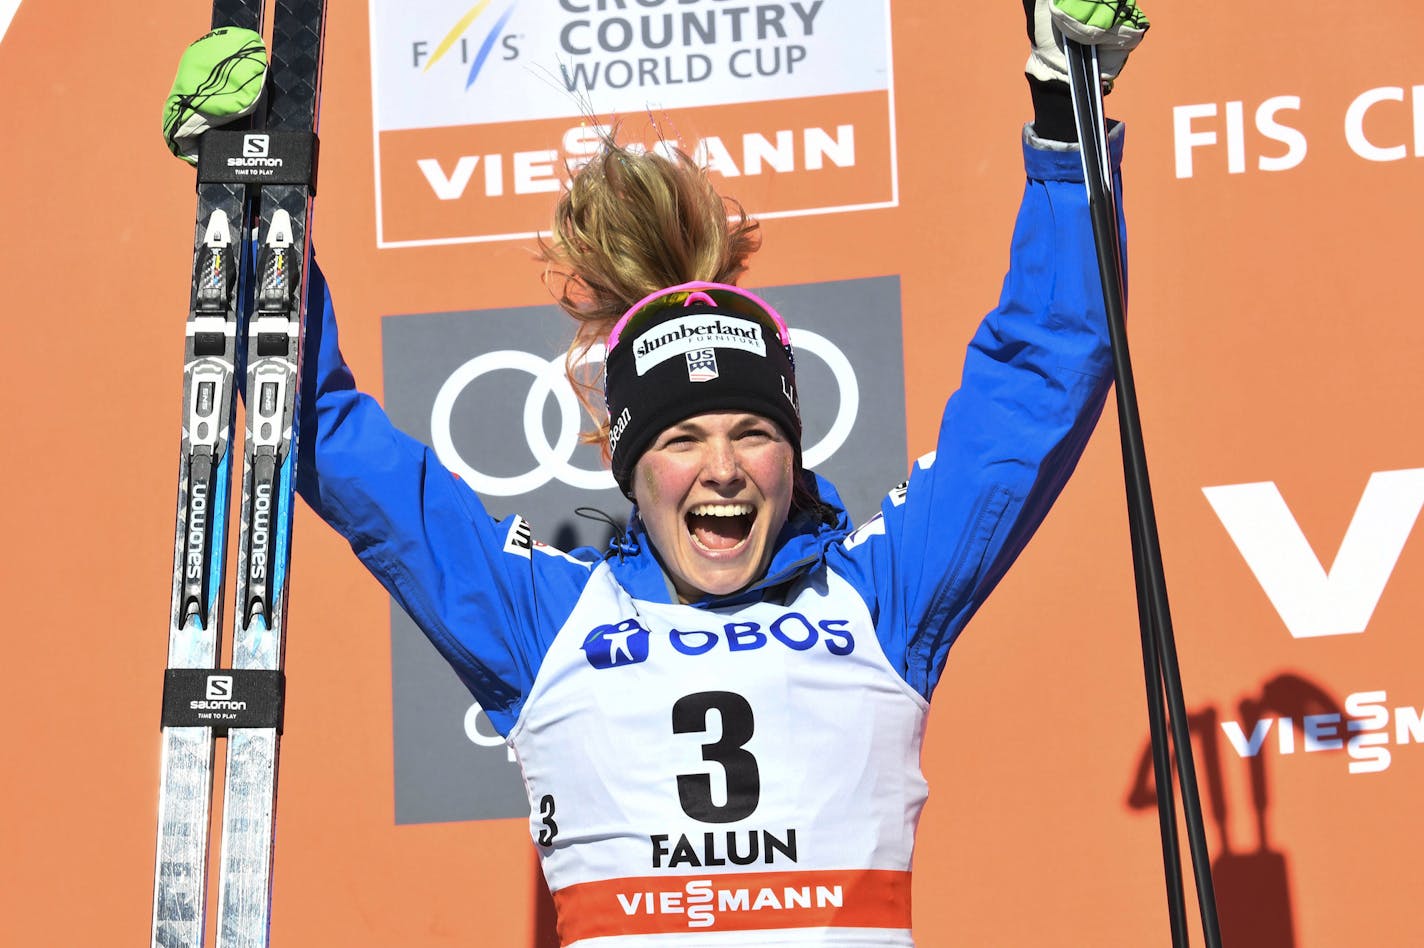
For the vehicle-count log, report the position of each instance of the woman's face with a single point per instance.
(714, 491)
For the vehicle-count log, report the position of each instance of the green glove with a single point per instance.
(1115, 27)
(219, 79)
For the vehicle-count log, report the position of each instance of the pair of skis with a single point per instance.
(1159, 652)
(255, 186)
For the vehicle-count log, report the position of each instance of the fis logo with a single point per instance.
(609, 646)
(702, 365)
(457, 36)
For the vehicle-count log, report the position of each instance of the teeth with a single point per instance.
(721, 510)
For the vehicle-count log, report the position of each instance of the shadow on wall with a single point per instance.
(1253, 894)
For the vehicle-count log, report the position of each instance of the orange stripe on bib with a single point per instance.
(650, 905)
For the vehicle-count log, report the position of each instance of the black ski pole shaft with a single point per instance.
(1093, 132)
(1086, 84)
(1161, 761)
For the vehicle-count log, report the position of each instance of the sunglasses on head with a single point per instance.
(720, 295)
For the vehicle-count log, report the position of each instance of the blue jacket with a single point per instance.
(1034, 383)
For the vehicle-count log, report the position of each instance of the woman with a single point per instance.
(719, 718)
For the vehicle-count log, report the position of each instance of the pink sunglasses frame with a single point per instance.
(698, 292)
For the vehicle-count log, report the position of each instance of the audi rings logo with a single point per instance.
(554, 461)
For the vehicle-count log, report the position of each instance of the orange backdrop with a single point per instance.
(1276, 334)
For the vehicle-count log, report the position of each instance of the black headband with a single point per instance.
(695, 354)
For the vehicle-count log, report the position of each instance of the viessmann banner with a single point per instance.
(483, 109)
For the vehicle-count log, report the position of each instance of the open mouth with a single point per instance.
(720, 528)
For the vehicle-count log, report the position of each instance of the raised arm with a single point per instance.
(1035, 378)
(486, 596)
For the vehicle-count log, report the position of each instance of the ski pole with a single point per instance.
(1163, 675)
(1092, 135)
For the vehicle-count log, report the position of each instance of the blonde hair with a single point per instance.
(633, 222)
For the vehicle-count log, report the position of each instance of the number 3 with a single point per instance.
(694, 791)
(550, 829)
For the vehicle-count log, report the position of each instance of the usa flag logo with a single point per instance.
(702, 365)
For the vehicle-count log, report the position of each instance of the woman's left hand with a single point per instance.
(1115, 27)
